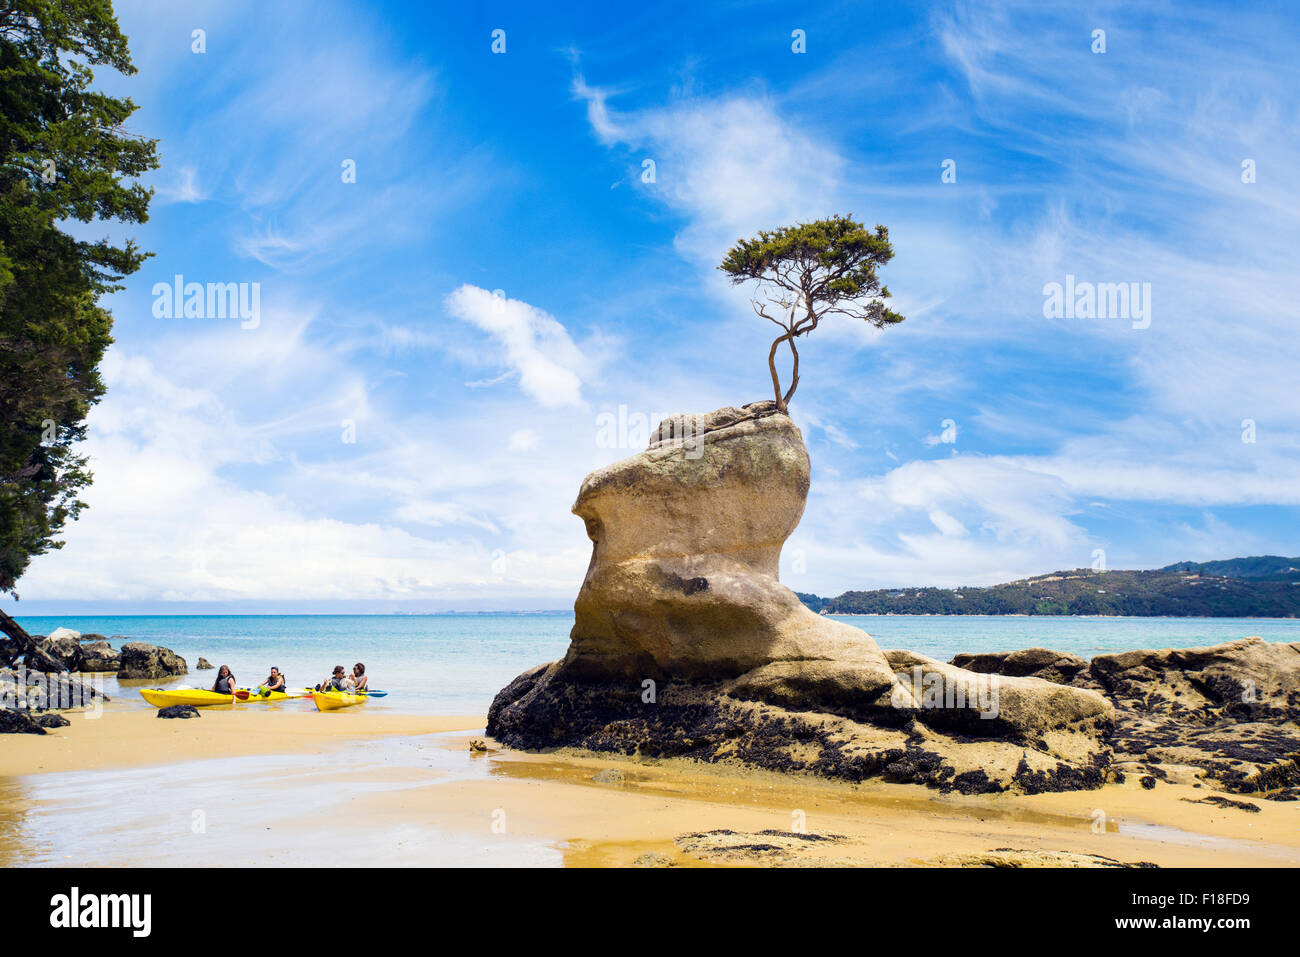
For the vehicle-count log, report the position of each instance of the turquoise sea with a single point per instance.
(455, 663)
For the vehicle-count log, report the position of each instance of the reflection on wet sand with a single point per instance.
(13, 818)
(767, 818)
(245, 811)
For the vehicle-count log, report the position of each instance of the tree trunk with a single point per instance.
(776, 379)
(794, 377)
(21, 643)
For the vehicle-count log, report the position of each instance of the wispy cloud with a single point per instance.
(532, 342)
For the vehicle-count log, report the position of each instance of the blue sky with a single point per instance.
(499, 276)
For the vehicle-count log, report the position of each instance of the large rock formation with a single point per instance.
(1228, 714)
(685, 643)
(141, 660)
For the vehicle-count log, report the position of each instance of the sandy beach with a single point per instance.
(410, 791)
(123, 739)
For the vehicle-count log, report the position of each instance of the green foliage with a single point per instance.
(1160, 593)
(808, 271)
(812, 602)
(66, 156)
(1260, 567)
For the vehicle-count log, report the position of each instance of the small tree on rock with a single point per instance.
(808, 271)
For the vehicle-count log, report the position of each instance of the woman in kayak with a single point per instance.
(225, 683)
(273, 683)
(359, 678)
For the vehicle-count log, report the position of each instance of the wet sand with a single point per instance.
(290, 788)
(133, 738)
(662, 813)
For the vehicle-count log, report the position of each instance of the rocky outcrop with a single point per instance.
(144, 661)
(18, 722)
(686, 644)
(25, 690)
(1042, 663)
(63, 650)
(1228, 714)
(62, 646)
(1231, 712)
(70, 651)
(203, 665)
(99, 657)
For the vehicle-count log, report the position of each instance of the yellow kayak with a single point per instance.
(191, 696)
(333, 700)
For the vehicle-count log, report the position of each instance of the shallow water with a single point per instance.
(456, 663)
(247, 811)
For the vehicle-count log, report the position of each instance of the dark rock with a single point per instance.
(178, 711)
(63, 648)
(141, 660)
(98, 657)
(49, 720)
(1055, 666)
(1225, 803)
(203, 665)
(38, 658)
(18, 722)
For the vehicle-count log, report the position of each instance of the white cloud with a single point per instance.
(1005, 497)
(523, 440)
(220, 474)
(184, 188)
(946, 524)
(733, 164)
(532, 342)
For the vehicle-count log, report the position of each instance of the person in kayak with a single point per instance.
(339, 681)
(359, 679)
(225, 683)
(275, 682)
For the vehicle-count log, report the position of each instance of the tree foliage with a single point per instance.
(66, 156)
(809, 271)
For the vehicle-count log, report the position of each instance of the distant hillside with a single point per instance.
(1260, 587)
(1258, 568)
